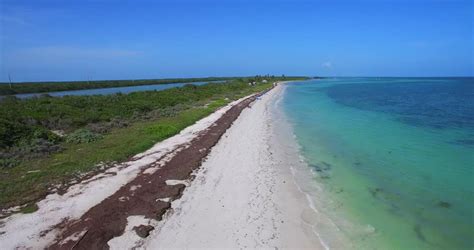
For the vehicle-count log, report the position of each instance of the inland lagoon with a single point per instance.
(113, 90)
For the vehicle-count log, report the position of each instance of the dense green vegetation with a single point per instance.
(41, 87)
(49, 140)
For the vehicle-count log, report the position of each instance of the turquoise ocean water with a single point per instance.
(395, 156)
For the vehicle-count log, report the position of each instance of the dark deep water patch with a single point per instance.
(464, 142)
(416, 101)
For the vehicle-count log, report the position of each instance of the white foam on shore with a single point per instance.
(295, 169)
(31, 230)
(319, 220)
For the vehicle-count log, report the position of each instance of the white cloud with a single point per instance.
(327, 64)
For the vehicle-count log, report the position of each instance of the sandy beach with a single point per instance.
(244, 195)
(228, 181)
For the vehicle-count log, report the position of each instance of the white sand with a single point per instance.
(32, 230)
(244, 195)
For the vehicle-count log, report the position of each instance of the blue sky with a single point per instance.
(104, 39)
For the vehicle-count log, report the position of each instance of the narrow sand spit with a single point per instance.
(243, 196)
(37, 230)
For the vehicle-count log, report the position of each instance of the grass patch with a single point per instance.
(28, 209)
(31, 179)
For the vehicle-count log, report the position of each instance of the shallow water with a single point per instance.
(395, 156)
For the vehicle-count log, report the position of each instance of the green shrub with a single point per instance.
(104, 127)
(82, 136)
(8, 162)
(162, 130)
(29, 149)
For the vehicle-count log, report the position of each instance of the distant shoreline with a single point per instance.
(7, 89)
